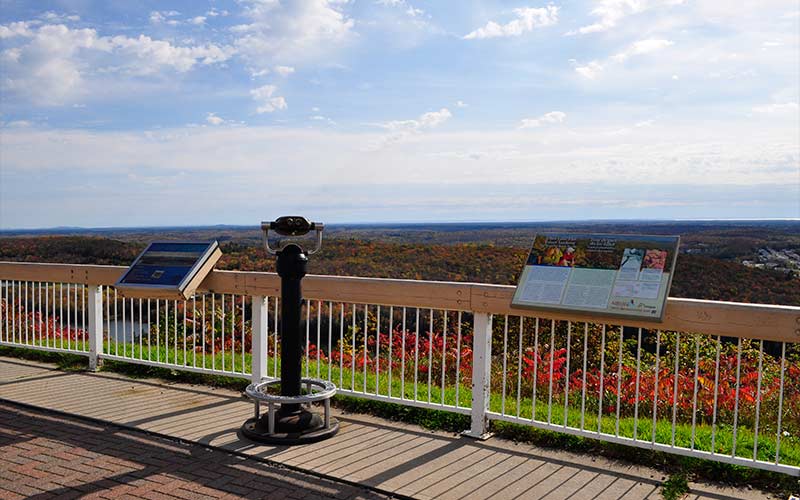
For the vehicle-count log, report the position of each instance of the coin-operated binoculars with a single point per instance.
(289, 419)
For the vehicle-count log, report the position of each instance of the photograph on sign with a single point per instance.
(174, 269)
(614, 275)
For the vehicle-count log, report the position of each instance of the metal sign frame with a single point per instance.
(672, 241)
(188, 284)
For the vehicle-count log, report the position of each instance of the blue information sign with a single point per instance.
(169, 266)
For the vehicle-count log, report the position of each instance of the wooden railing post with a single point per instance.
(259, 332)
(481, 370)
(95, 332)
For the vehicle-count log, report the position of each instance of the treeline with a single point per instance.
(697, 276)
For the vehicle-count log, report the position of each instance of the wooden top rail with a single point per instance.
(732, 319)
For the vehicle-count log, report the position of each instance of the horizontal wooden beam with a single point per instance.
(732, 319)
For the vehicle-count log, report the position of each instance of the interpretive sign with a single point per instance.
(607, 274)
(169, 269)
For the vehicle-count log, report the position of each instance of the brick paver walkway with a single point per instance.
(47, 456)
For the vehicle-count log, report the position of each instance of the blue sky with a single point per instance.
(119, 113)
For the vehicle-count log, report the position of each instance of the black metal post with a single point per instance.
(292, 423)
(291, 265)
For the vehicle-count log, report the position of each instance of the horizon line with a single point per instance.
(410, 222)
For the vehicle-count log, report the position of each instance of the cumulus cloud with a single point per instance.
(400, 130)
(197, 21)
(461, 104)
(611, 12)
(52, 17)
(291, 32)
(593, 69)
(213, 119)
(284, 70)
(267, 100)
(546, 119)
(777, 108)
(527, 18)
(164, 17)
(49, 63)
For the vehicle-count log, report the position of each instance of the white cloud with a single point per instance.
(163, 17)
(213, 119)
(527, 19)
(400, 130)
(52, 17)
(284, 70)
(611, 12)
(150, 56)
(50, 63)
(409, 9)
(320, 118)
(292, 32)
(197, 21)
(214, 13)
(590, 70)
(546, 119)
(15, 29)
(777, 108)
(461, 104)
(642, 47)
(593, 69)
(267, 100)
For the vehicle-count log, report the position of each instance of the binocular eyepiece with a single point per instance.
(291, 226)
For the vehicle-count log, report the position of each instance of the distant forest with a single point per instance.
(698, 276)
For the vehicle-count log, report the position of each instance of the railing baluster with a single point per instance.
(275, 340)
(222, 329)
(366, 332)
(602, 367)
(430, 354)
(150, 331)
(25, 308)
(505, 369)
(780, 404)
(308, 337)
(203, 342)
(458, 355)
(535, 367)
(655, 385)
(319, 326)
(330, 339)
(391, 334)
(444, 352)
(758, 398)
(341, 345)
(696, 380)
(638, 381)
(194, 329)
(736, 398)
(716, 397)
(416, 357)
(583, 378)
(519, 366)
(377, 350)
(353, 355)
(550, 380)
(403, 360)
(675, 386)
(566, 373)
(619, 377)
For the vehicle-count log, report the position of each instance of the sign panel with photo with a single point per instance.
(609, 274)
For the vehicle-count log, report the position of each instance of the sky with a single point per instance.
(153, 113)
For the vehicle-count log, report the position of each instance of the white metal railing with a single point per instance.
(716, 380)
